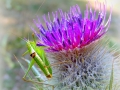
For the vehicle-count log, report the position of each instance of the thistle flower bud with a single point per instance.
(72, 40)
(88, 68)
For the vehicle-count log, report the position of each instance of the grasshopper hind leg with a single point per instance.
(33, 81)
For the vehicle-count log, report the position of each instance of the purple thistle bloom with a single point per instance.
(72, 30)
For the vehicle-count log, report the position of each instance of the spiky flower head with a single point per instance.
(83, 63)
(72, 30)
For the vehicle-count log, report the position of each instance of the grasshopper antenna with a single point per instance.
(40, 7)
(19, 36)
(28, 37)
(33, 35)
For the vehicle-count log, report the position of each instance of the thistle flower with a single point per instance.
(72, 30)
(72, 40)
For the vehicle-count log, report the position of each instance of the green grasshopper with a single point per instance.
(39, 57)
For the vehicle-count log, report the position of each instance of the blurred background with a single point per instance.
(16, 18)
